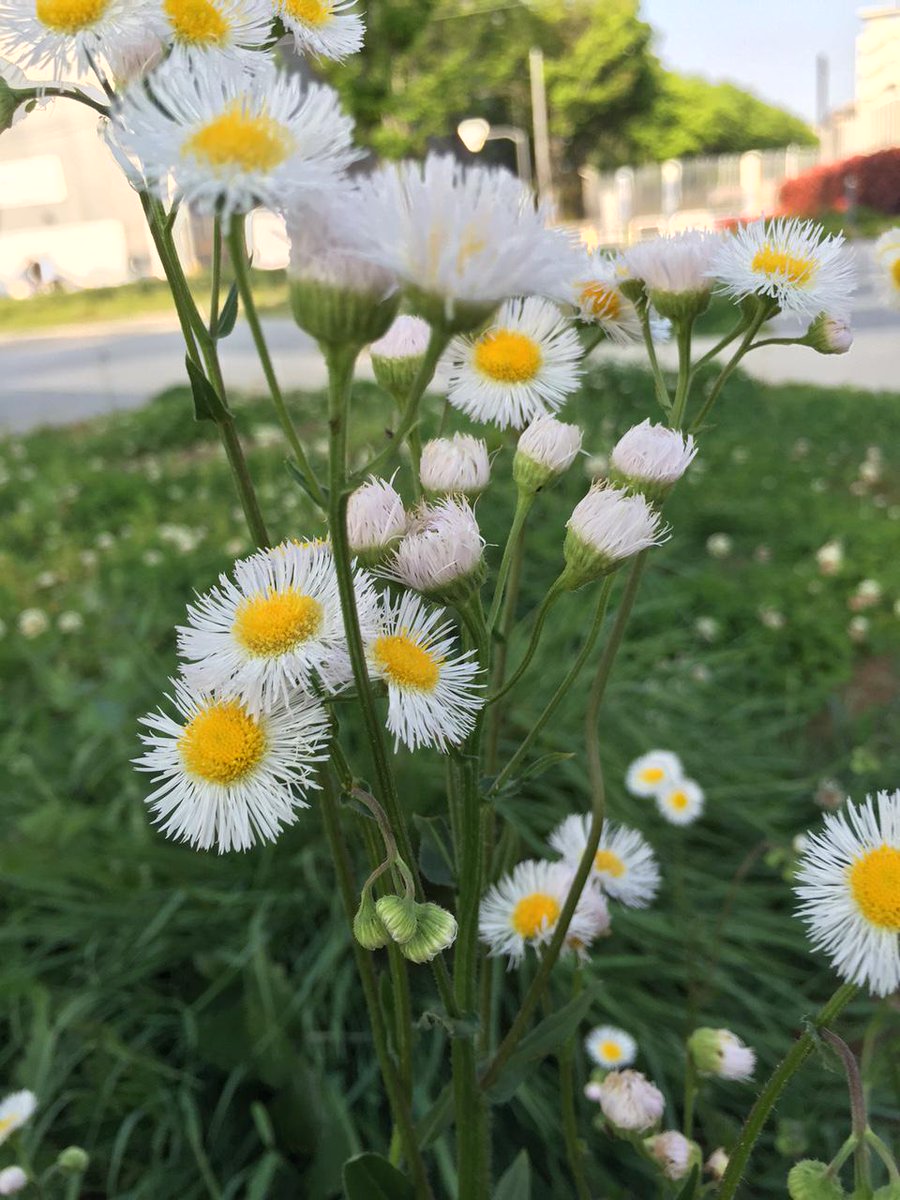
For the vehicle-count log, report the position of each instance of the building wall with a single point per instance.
(872, 122)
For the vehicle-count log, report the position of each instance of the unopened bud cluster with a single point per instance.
(421, 931)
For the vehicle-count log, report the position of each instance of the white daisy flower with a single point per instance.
(675, 270)
(236, 28)
(433, 694)
(376, 520)
(226, 777)
(15, 1110)
(630, 1101)
(607, 526)
(523, 366)
(652, 772)
(610, 1047)
(652, 456)
(72, 34)
(546, 449)
(443, 549)
(233, 138)
(274, 627)
(600, 300)
(887, 258)
(848, 882)
(624, 866)
(790, 261)
(329, 28)
(522, 910)
(462, 238)
(681, 803)
(455, 466)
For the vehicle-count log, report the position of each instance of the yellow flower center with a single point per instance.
(601, 301)
(273, 624)
(6, 1123)
(875, 884)
(610, 1051)
(678, 800)
(238, 139)
(197, 21)
(652, 775)
(223, 743)
(895, 272)
(70, 16)
(605, 860)
(310, 12)
(406, 663)
(507, 356)
(534, 913)
(769, 261)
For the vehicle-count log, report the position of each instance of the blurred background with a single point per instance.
(194, 1022)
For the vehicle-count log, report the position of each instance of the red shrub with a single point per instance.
(825, 189)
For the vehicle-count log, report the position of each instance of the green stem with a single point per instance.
(237, 244)
(556, 590)
(662, 392)
(500, 651)
(884, 1153)
(64, 93)
(729, 337)
(216, 276)
(511, 551)
(560, 693)
(683, 386)
(763, 315)
(574, 1151)
(402, 1118)
(858, 1120)
(690, 1095)
(779, 1079)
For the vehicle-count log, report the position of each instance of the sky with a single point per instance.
(767, 46)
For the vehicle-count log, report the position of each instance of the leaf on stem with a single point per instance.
(208, 404)
(371, 1177)
(465, 1026)
(299, 478)
(228, 315)
(515, 1182)
(435, 850)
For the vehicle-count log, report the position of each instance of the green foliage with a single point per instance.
(195, 1021)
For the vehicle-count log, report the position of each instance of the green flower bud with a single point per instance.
(828, 335)
(368, 928)
(436, 930)
(397, 357)
(809, 1180)
(450, 316)
(399, 915)
(680, 307)
(339, 315)
(73, 1160)
(719, 1052)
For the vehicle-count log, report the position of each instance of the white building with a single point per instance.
(872, 121)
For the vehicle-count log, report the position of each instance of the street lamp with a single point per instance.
(475, 131)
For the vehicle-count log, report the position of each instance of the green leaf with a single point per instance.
(690, 1187)
(548, 1036)
(515, 1182)
(299, 478)
(544, 763)
(371, 1177)
(436, 858)
(466, 1026)
(208, 404)
(227, 316)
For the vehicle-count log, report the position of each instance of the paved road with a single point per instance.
(64, 377)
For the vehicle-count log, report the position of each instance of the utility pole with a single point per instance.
(541, 131)
(821, 90)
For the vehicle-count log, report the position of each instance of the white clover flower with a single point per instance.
(681, 802)
(327, 28)
(721, 1053)
(12, 1180)
(789, 261)
(462, 238)
(887, 258)
(600, 301)
(524, 365)
(624, 865)
(522, 910)
(442, 549)
(227, 777)
(869, 592)
(653, 772)
(717, 1163)
(67, 35)
(673, 1152)
(719, 545)
(70, 622)
(233, 138)
(457, 465)
(707, 628)
(274, 627)
(545, 450)
(15, 1110)
(32, 622)
(376, 519)
(858, 628)
(610, 1047)
(235, 29)
(630, 1101)
(652, 457)
(433, 695)
(772, 618)
(606, 527)
(830, 557)
(848, 884)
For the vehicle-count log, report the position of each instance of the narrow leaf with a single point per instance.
(228, 315)
(548, 1036)
(208, 404)
(689, 1190)
(436, 858)
(515, 1182)
(371, 1177)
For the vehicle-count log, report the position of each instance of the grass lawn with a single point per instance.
(195, 1021)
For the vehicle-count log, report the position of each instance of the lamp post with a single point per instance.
(474, 132)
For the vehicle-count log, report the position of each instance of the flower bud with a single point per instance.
(368, 928)
(376, 521)
(630, 1102)
(12, 1180)
(450, 316)
(399, 915)
(651, 459)
(442, 554)
(607, 527)
(673, 1152)
(455, 466)
(829, 335)
(719, 1052)
(717, 1163)
(809, 1180)
(435, 931)
(546, 449)
(675, 271)
(73, 1160)
(397, 357)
